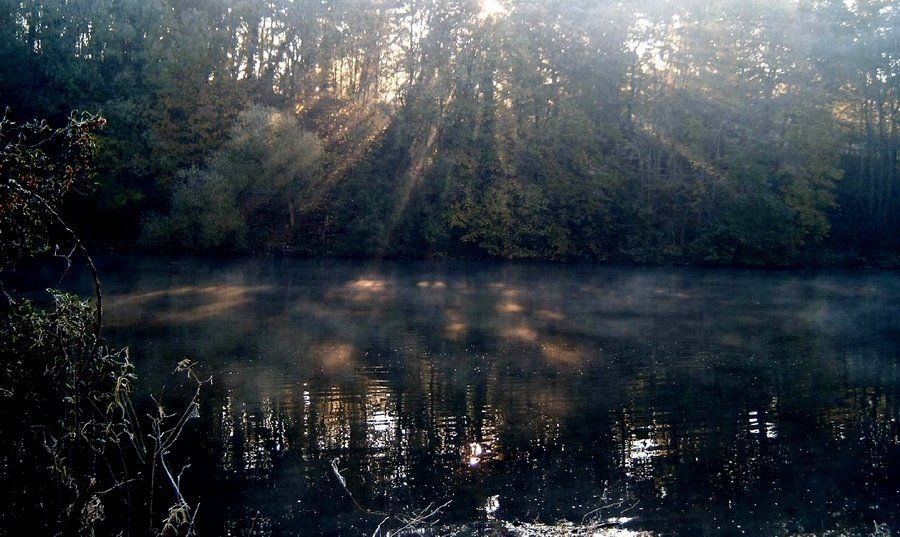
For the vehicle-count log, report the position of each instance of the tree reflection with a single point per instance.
(536, 396)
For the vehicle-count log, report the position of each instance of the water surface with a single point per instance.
(689, 402)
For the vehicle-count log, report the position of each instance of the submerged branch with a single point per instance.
(422, 518)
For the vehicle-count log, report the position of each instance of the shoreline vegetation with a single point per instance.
(87, 455)
(825, 260)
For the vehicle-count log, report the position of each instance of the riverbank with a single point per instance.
(821, 259)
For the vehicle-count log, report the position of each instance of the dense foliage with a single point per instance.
(64, 438)
(72, 442)
(725, 131)
(38, 165)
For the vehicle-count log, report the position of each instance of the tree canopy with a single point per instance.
(724, 131)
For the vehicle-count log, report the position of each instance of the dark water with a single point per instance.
(690, 402)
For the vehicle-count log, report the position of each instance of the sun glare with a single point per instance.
(491, 8)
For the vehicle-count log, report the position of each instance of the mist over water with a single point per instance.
(691, 402)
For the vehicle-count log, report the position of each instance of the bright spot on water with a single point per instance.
(492, 505)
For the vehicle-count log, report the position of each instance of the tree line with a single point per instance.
(761, 132)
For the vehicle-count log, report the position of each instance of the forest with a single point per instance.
(761, 132)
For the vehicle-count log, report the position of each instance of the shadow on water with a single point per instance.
(692, 402)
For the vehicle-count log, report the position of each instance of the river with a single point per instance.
(657, 401)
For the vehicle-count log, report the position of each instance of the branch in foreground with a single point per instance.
(422, 518)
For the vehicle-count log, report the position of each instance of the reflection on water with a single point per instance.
(680, 402)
